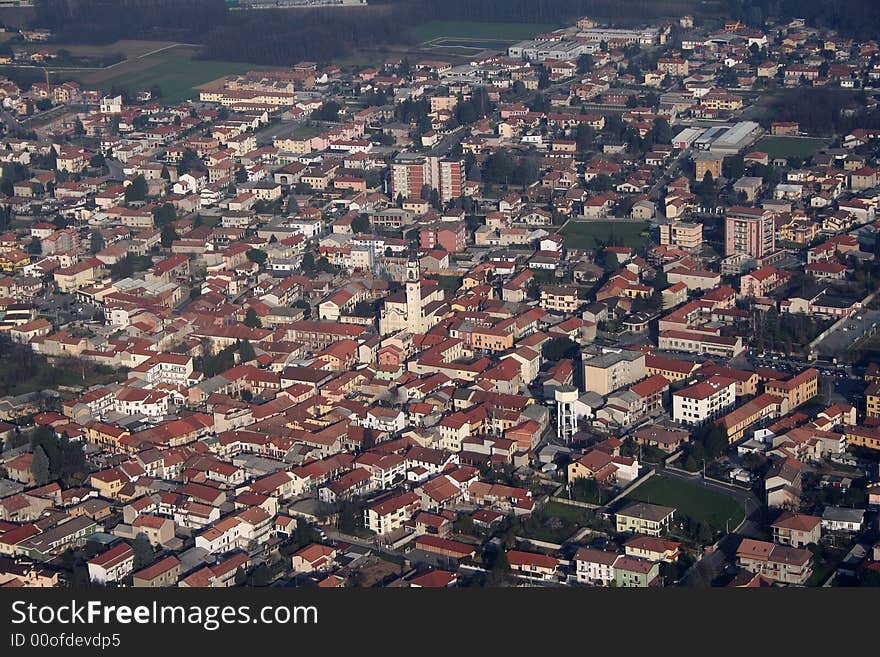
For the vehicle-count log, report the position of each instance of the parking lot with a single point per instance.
(861, 325)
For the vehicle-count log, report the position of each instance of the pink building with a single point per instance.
(749, 231)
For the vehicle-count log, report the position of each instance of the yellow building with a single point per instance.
(559, 298)
(872, 397)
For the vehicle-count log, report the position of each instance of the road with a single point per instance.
(668, 176)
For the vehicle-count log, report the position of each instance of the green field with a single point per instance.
(475, 30)
(175, 71)
(699, 503)
(590, 234)
(791, 146)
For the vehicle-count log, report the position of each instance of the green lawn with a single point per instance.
(476, 30)
(699, 503)
(791, 146)
(574, 514)
(588, 234)
(175, 71)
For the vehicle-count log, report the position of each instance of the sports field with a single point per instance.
(459, 30)
(591, 234)
(791, 146)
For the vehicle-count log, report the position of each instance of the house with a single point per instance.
(594, 566)
(839, 519)
(644, 518)
(390, 514)
(531, 565)
(313, 558)
(652, 549)
(633, 572)
(163, 573)
(780, 563)
(796, 529)
(112, 565)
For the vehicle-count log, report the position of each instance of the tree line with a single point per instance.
(282, 37)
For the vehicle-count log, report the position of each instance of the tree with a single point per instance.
(257, 255)
(559, 348)
(329, 111)
(35, 247)
(326, 266)
(360, 224)
(733, 167)
(251, 319)
(143, 551)
(97, 161)
(164, 214)
(246, 350)
(308, 263)
(136, 190)
(189, 161)
(169, 235)
(584, 63)
(584, 137)
(240, 576)
(40, 467)
(97, 242)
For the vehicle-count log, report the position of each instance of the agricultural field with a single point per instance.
(591, 234)
(699, 503)
(802, 147)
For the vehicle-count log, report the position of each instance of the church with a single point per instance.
(416, 308)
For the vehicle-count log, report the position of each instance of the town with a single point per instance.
(594, 309)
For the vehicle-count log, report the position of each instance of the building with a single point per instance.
(112, 565)
(796, 529)
(450, 236)
(644, 518)
(559, 298)
(840, 519)
(749, 231)
(389, 515)
(410, 173)
(697, 404)
(780, 563)
(416, 309)
(797, 390)
(683, 234)
(163, 573)
(633, 572)
(594, 566)
(613, 370)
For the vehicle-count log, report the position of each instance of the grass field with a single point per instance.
(791, 146)
(175, 71)
(475, 30)
(589, 234)
(697, 502)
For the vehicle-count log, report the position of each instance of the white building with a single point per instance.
(112, 565)
(703, 401)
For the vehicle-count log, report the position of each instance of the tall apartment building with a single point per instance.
(749, 231)
(410, 172)
(683, 234)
